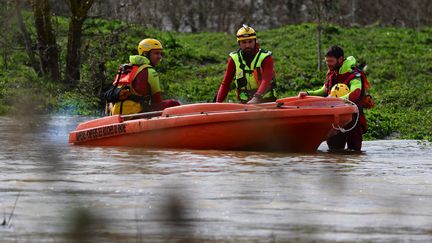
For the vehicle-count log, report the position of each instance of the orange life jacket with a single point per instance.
(127, 73)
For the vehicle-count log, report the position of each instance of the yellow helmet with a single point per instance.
(149, 44)
(339, 90)
(246, 33)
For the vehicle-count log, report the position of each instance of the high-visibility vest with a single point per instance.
(248, 78)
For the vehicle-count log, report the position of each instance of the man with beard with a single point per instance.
(252, 70)
(343, 71)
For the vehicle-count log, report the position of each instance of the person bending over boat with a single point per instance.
(136, 87)
(341, 70)
(252, 70)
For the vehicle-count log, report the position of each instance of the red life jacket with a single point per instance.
(128, 73)
(333, 77)
(123, 80)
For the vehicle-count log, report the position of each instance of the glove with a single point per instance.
(255, 100)
(303, 94)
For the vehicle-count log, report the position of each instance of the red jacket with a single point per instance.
(140, 85)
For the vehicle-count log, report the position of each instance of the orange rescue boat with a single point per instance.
(290, 124)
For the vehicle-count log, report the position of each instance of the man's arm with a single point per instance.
(355, 90)
(226, 82)
(267, 75)
(317, 92)
(143, 86)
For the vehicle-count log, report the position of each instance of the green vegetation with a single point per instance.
(399, 67)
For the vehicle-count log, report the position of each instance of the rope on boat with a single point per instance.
(343, 130)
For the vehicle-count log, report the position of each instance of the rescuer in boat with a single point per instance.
(252, 70)
(136, 87)
(344, 71)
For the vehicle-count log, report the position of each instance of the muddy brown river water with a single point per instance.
(51, 191)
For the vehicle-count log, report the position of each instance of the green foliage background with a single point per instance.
(399, 68)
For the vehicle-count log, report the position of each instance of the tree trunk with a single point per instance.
(5, 60)
(100, 77)
(353, 11)
(319, 48)
(319, 44)
(47, 44)
(26, 37)
(41, 42)
(79, 10)
(73, 60)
